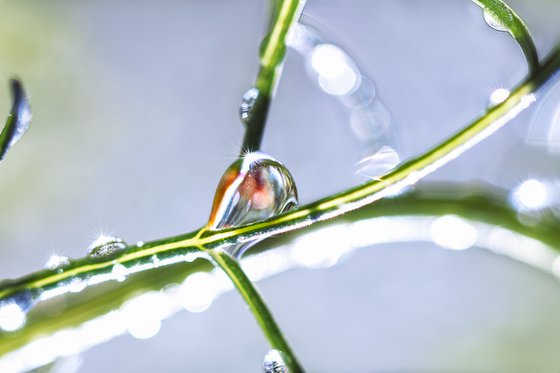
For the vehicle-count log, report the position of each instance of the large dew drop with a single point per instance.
(106, 245)
(274, 362)
(254, 188)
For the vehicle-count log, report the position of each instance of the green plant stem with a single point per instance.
(257, 306)
(330, 207)
(474, 203)
(407, 173)
(271, 56)
(510, 22)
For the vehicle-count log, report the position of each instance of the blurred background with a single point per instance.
(136, 117)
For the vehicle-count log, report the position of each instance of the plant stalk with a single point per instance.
(257, 306)
(271, 56)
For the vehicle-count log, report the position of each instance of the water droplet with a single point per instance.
(274, 362)
(140, 243)
(106, 245)
(498, 96)
(57, 261)
(19, 120)
(13, 310)
(76, 285)
(247, 105)
(493, 21)
(254, 188)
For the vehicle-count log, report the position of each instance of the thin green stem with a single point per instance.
(271, 56)
(257, 306)
(407, 173)
(330, 207)
(474, 203)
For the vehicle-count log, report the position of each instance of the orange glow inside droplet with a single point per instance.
(225, 182)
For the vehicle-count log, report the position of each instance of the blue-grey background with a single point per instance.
(135, 119)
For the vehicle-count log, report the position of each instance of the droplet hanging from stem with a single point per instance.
(254, 188)
(18, 120)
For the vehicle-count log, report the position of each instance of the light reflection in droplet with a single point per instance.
(253, 188)
(493, 21)
(273, 362)
(453, 232)
(106, 245)
(247, 105)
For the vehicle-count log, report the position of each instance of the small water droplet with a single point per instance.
(247, 105)
(13, 310)
(140, 243)
(57, 261)
(254, 188)
(106, 245)
(498, 96)
(493, 21)
(19, 120)
(274, 362)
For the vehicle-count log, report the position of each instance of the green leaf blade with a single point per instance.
(501, 17)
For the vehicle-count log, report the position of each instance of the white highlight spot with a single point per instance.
(337, 73)
(498, 96)
(57, 261)
(119, 272)
(143, 315)
(12, 317)
(322, 248)
(198, 291)
(531, 195)
(378, 162)
(452, 232)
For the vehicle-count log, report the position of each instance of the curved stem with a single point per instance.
(185, 246)
(474, 203)
(257, 306)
